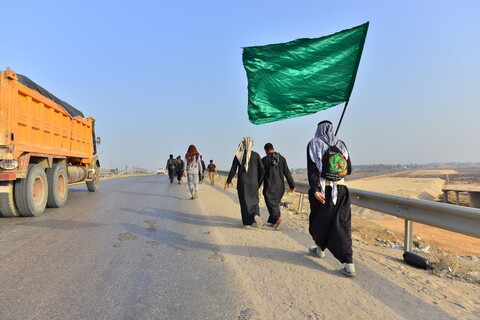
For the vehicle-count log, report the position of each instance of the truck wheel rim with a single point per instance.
(38, 190)
(61, 185)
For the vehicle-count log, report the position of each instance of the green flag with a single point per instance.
(301, 77)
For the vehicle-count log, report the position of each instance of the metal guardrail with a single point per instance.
(464, 220)
(472, 190)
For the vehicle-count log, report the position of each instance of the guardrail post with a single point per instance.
(457, 197)
(474, 199)
(445, 196)
(408, 240)
(300, 203)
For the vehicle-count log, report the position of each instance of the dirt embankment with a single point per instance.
(284, 282)
(384, 230)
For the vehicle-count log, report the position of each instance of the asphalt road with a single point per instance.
(137, 249)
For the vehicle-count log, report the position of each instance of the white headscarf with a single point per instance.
(245, 145)
(324, 139)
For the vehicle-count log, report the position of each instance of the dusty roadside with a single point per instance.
(274, 271)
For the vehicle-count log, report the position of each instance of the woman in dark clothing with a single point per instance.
(249, 180)
(330, 213)
(180, 169)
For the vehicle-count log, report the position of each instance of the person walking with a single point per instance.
(180, 169)
(249, 168)
(276, 169)
(202, 173)
(193, 170)
(212, 172)
(328, 162)
(172, 168)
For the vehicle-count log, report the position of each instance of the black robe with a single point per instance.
(276, 168)
(329, 224)
(180, 169)
(248, 184)
(172, 168)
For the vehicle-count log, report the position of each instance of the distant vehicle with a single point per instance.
(161, 171)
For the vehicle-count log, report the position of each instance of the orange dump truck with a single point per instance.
(45, 145)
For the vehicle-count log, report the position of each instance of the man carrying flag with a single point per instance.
(302, 77)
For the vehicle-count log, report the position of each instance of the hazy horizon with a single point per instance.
(158, 76)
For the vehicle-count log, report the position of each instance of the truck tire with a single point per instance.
(7, 202)
(31, 193)
(57, 186)
(92, 186)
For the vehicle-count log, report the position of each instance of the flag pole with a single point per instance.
(341, 118)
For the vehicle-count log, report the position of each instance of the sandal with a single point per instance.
(313, 251)
(278, 225)
(349, 270)
(258, 222)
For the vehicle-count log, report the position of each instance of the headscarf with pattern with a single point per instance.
(325, 138)
(244, 148)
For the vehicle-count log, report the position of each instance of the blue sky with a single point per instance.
(160, 75)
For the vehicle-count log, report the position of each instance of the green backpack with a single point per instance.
(334, 165)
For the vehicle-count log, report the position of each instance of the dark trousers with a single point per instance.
(171, 174)
(249, 208)
(179, 175)
(273, 206)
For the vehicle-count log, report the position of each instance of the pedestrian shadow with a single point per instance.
(180, 242)
(62, 224)
(163, 195)
(154, 180)
(378, 286)
(184, 217)
(389, 292)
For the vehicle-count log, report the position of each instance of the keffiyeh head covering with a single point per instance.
(244, 148)
(325, 138)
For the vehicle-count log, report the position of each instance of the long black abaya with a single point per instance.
(248, 184)
(276, 168)
(330, 224)
(172, 169)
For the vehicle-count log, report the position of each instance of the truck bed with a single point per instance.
(31, 122)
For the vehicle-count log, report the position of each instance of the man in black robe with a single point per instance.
(180, 169)
(172, 168)
(249, 166)
(276, 169)
(330, 212)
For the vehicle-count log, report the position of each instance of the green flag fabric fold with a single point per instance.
(303, 76)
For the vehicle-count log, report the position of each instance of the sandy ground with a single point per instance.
(444, 240)
(418, 188)
(284, 282)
